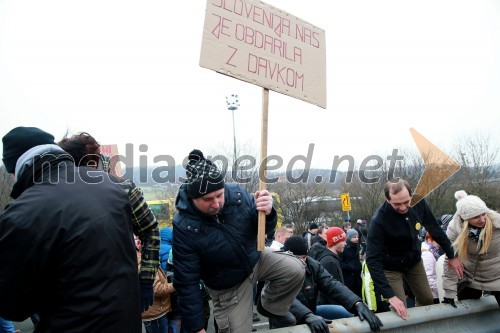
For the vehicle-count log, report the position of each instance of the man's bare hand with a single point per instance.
(399, 306)
(264, 201)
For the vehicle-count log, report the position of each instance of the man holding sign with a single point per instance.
(215, 240)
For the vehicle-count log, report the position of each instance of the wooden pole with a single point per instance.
(261, 243)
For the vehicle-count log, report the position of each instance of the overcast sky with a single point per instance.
(128, 72)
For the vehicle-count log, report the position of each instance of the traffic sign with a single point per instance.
(346, 202)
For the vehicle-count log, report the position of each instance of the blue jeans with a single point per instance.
(333, 312)
(159, 325)
(6, 326)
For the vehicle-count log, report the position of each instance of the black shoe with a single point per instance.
(278, 321)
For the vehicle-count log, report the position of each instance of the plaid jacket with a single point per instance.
(144, 226)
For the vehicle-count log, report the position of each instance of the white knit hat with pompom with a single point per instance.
(469, 206)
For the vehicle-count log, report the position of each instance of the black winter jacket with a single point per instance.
(329, 260)
(393, 243)
(317, 280)
(68, 253)
(351, 267)
(221, 250)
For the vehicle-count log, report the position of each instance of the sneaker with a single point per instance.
(256, 317)
(278, 321)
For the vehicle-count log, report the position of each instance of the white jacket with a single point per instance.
(430, 268)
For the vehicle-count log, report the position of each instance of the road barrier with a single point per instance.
(478, 316)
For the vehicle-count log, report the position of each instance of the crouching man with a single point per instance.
(215, 240)
(317, 279)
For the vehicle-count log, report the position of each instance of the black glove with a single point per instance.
(450, 301)
(372, 319)
(316, 324)
(147, 294)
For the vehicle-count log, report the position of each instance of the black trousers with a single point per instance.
(470, 293)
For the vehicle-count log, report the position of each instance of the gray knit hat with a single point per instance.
(351, 233)
(469, 206)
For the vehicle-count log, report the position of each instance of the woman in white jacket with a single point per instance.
(475, 234)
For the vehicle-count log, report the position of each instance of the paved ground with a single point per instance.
(27, 327)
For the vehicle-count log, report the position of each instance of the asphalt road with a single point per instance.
(27, 326)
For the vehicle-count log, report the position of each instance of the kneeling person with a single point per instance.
(305, 308)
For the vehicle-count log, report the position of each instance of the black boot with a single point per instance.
(277, 321)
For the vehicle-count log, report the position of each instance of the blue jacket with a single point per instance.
(165, 246)
(221, 250)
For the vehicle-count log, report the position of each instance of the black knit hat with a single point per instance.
(296, 244)
(19, 140)
(203, 176)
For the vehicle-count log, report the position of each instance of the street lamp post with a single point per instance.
(232, 105)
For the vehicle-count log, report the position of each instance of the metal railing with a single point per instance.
(478, 316)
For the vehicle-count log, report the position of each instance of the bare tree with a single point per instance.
(242, 169)
(303, 203)
(365, 197)
(478, 156)
(412, 167)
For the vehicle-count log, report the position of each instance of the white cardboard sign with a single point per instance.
(255, 42)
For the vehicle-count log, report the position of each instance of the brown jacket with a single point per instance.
(162, 291)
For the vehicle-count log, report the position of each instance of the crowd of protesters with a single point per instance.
(82, 251)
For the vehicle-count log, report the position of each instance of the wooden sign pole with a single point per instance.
(262, 169)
